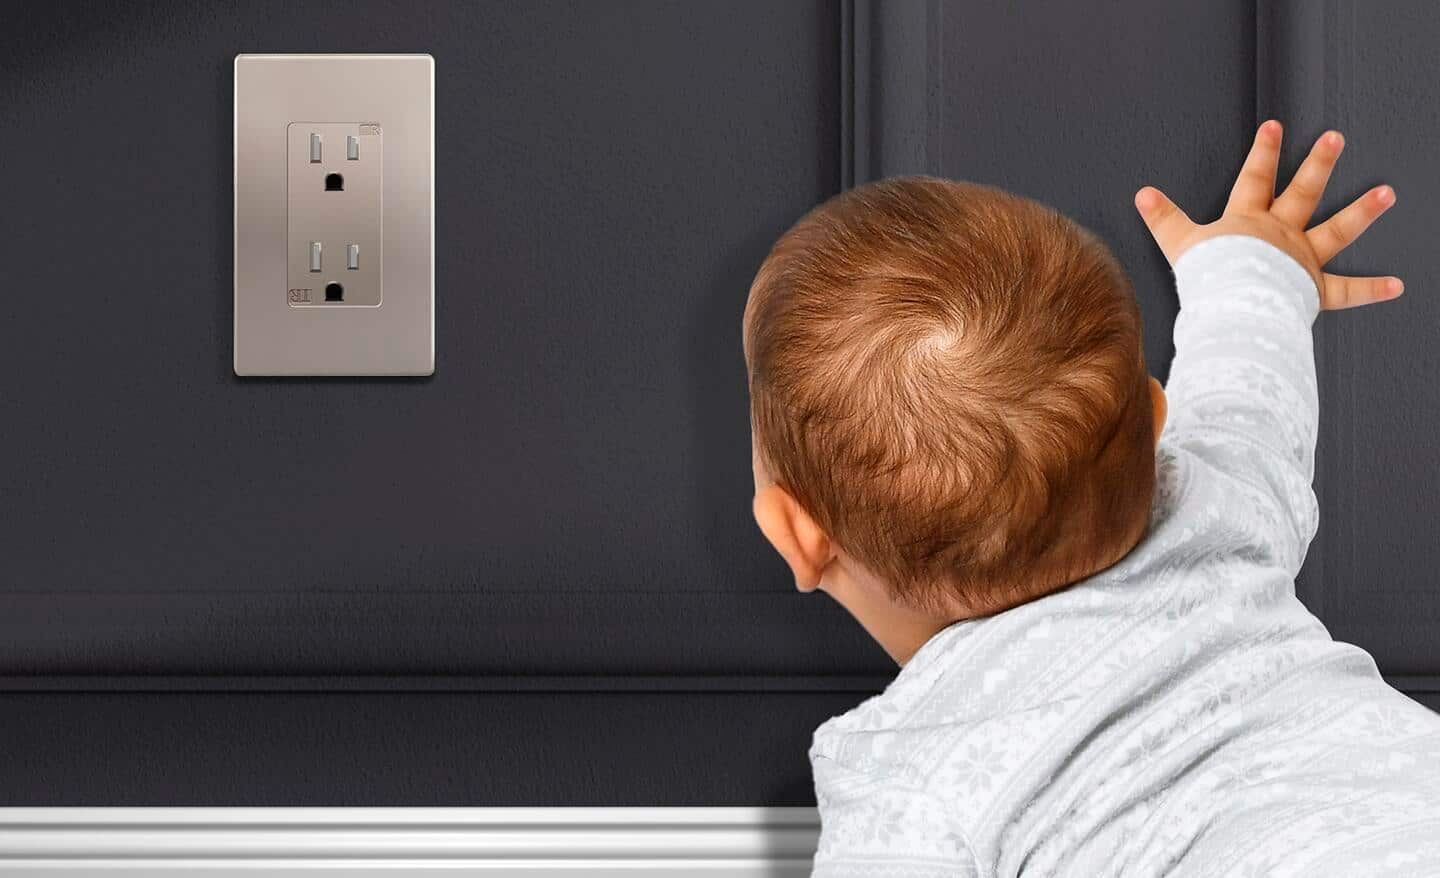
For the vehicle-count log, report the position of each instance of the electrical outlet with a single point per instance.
(336, 237)
(334, 215)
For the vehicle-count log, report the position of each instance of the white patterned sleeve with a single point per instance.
(1242, 390)
(874, 826)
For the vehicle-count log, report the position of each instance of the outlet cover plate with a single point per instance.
(385, 325)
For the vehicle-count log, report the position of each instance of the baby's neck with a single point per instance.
(899, 630)
(908, 642)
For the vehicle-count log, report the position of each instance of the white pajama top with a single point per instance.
(1180, 713)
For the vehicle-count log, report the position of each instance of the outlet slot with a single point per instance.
(334, 292)
(334, 183)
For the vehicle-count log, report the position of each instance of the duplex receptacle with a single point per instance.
(334, 255)
(335, 213)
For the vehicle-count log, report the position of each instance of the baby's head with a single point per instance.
(950, 408)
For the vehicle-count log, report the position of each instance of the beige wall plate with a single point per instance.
(334, 215)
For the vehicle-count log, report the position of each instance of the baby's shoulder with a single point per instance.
(1204, 512)
(957, 719)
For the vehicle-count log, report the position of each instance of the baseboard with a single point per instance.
(535, 842)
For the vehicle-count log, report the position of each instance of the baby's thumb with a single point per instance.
(1167, 223)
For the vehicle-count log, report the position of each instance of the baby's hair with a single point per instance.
(950, 380)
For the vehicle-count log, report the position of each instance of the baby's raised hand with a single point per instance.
(1254, 210)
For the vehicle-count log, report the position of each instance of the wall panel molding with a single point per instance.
(497, 635)
(531, 579)
(856, 71)
(1331, 64)
(891, 59)
(567, 498)
(550, 683)
(205, 656)
(1303, 72)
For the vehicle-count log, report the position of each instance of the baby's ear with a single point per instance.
(1159, 406)
(794, 534)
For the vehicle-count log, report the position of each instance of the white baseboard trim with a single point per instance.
(534, 842)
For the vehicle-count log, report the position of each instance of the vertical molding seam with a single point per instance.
(934, 94)
(855, 78)
(1295, 81)
(1340, 67)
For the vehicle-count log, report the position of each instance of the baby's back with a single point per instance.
(1232, 736)
(1181, 713)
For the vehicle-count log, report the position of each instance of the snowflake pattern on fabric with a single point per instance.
(1180, 713)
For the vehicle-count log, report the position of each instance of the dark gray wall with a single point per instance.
(568, 494)
(1079, 104)
(533, 578)
(1372, 577)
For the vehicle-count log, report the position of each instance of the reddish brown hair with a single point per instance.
(950, 380)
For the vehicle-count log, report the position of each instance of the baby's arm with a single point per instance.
(1242, 392)
(1242, 385)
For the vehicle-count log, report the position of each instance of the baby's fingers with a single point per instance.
(1255, 186)
(1297, 203)
(1168, 224)
(1341, 230)
(1352, 292)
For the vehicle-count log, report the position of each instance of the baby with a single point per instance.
(1105, 669)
